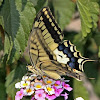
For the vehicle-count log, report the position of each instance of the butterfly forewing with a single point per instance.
(50, 31)
(45, 37)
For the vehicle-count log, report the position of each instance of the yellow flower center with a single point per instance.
(49, 89)
(38, 86)
(29, 90)
(25, 84)
(49, 82)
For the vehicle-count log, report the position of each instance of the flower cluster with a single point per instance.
(41, 89)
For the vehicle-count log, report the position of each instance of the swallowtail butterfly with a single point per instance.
(49, 53)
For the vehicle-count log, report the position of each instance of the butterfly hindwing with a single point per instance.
(66, 53)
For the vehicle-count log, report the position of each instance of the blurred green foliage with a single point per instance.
(16, 19)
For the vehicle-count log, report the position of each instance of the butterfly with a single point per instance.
(50, 55)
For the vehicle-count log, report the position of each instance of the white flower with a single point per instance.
(49, 89)
(79, 98)
(29, 90)
(18, 85)
(28, 78)
(24, 78)
(25, 83)
(22, 84)
(38, 85)
(49, 81)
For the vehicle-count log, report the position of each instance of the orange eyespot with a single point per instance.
(74, 70)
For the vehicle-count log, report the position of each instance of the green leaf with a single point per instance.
(1, 39)
(97, 86)
(1, 2)
(1, 21)
(63, 10)
(95, 0)
(13, 78)
(88, 13)
(97, 39)
(2, 91)
(40, 4)
(34, 2)
(93, 46)
(79, 42)
(18, 18)
(94, 9)
(99, 52)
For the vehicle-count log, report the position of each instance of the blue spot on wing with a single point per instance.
(73, 59)
(61, 47)
(71, 64)
(70, 54)
(66, 51)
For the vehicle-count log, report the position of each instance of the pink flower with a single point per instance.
(19, 95)
(32, 98)
(17, 98)
(40, 95)
(58, 84)
(50, 97)
(65, 95)
(58, 91)
(67, 86)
